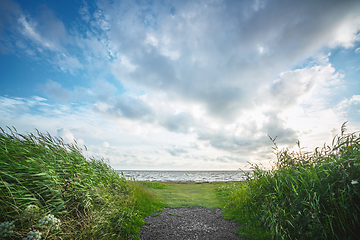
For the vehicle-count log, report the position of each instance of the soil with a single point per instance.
(188, 223)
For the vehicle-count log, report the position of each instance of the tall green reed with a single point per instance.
(91, 200)
(306, 195)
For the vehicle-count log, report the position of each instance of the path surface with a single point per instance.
(188, 223)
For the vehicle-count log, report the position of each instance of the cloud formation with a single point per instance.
(199, 80)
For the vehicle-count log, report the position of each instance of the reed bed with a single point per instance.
(49, 190)
(306, 195)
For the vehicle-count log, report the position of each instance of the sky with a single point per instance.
(181, 85)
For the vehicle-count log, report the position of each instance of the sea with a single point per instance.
(183, 176)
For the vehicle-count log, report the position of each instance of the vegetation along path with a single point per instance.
(49, 190)
(193, 212)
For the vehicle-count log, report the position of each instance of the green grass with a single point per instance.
(307, 195)
(83, 198)
(189, 194)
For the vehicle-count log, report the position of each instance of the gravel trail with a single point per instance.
(189, 223)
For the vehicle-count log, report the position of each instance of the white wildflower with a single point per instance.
(50, 222)
(31, 208)
(33, 235)
(6, 228)
(353, 182)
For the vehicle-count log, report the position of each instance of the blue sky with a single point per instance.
(174, 85)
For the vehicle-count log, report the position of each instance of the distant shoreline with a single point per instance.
(183, 170)
(193, 182)
(184, 176)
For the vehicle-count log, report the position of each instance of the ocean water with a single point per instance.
(183, 176)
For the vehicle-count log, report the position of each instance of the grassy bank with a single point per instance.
(48, 190)
(307, 195)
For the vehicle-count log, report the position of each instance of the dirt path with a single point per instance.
(188, 223)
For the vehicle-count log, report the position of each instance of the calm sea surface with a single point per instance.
(183, 176)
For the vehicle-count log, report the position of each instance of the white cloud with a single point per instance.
(199, 82)
(80, 142)
(68, 63)
(47, 31)
(126, 65)
(84, 12)
(346, 103)
(66, 135)
(126, 106)
(176, 151)
(346, 31)
(30, 32)
(355, 99)
(55, 90)
(213, 68)
(295, 86)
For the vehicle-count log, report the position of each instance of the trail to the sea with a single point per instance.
(189, 223)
